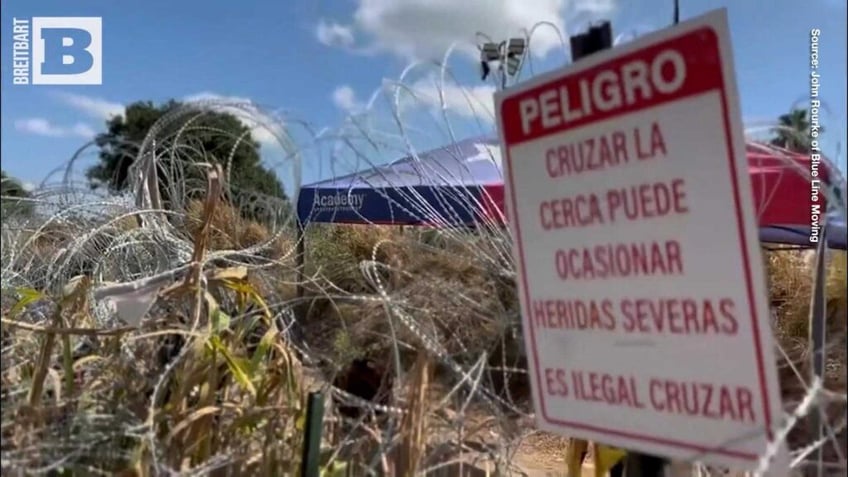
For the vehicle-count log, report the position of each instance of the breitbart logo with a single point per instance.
(57, 51)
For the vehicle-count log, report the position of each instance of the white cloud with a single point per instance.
(94, 107)
(470, 102)
(592, 7)
(263, 127)
(344, 98)
(209, 96)
(333, 34)
(43, 127)
(425, 29)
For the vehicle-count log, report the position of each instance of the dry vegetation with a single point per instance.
(790, 276)
(215, 380)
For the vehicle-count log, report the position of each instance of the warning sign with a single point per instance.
(641, 282)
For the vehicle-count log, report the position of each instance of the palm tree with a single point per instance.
(794, 131)
(11, 187)
(12, 191)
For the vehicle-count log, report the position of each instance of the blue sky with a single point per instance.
(320, 60)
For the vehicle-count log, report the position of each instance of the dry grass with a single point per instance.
(129, 405)
(791, 279)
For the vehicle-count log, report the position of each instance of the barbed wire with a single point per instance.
(111, 402)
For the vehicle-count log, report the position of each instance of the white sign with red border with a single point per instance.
(642, 287)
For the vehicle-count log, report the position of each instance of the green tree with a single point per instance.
(794, 131)
(12, 191)
(212, 137)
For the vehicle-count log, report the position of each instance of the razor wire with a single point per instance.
(133, 240)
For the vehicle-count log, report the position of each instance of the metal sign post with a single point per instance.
(310, 459)
(818, 338)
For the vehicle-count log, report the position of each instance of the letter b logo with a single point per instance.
(67, 50)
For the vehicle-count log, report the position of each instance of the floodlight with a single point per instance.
(512, 64)
(490, 52)
(516, 46)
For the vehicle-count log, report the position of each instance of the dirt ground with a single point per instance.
(538, 454)
(543, 455)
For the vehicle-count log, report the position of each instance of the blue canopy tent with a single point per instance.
(462, 185)
(456, 185)
(799, 235)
